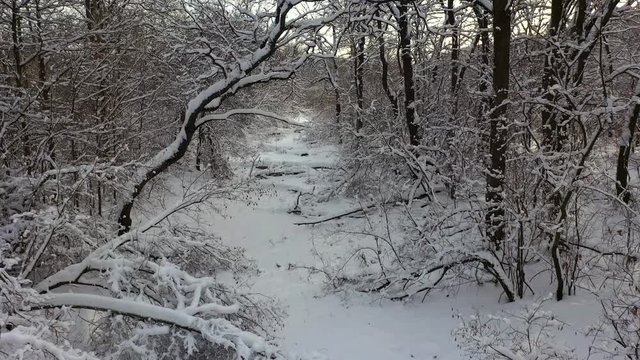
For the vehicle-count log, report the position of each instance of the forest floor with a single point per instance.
(320, 322)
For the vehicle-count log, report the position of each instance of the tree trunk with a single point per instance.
(393, 99)
(485, 80)
(331, 67)
(165, 158)
(407, 73)
(20, 81)
(199, 149)
(455, 50)
(553, 134)
(358, 70)
(497, 124)
(209, 99)
(46, 89)
(624, 152)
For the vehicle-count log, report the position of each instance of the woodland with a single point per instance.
(452, 145)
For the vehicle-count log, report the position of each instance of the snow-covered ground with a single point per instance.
(341, 325)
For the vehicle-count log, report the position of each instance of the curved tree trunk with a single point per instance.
(209, 100)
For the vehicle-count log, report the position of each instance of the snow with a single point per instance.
(330, 326)
(325, 324)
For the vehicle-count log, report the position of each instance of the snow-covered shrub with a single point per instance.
(530, 334)
(618, 332)
(27, 333)
(426, 228)
(152, 293)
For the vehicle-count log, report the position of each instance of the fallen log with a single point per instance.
(278, 173)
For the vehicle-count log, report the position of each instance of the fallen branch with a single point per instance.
(335, 217)
(296, 209)
(278, 173)
(350, 212)
(603, 252)
(490, 267)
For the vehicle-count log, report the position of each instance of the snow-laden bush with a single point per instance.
(151, 293)
(530, 334)
(618, 332)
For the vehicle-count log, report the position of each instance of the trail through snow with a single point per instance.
(325, 325)
(321, 323)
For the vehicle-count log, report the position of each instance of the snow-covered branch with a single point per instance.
(225, 116)
(216, 330)
(72, 273)
(22, 340)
